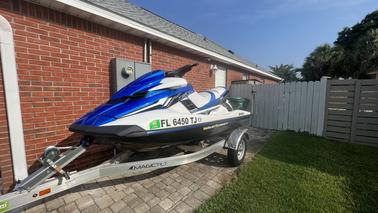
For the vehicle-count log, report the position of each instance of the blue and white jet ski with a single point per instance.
(160, 109)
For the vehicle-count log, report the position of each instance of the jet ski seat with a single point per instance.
(208, 98)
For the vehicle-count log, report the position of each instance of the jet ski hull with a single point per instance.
(137, 138)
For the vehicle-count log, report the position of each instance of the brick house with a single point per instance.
(62, 54)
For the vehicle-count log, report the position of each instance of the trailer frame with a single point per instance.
(41, 184)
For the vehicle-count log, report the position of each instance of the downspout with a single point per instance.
(12, 100)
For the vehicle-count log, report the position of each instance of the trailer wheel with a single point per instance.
(236, 157)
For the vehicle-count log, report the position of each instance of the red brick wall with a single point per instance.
(168, 58)
(263, 80)
(64, 71)
(233, 75)
(63, 68)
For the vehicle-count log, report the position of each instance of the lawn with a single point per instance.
(302, 173)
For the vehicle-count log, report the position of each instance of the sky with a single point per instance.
(267, 32)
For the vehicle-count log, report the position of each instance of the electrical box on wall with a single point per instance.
(125, 71)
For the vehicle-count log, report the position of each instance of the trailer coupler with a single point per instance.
(52, 163)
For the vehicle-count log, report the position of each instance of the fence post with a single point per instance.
(253, 105)
(356, 103)
(328, 86)
(322, 104)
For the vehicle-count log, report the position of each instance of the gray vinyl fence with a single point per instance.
(343, 110)
(297, 106)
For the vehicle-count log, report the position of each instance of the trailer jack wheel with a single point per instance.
(236, 156)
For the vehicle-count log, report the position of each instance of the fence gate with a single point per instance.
(352, 111)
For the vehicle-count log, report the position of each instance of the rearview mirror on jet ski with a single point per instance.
(180, 72)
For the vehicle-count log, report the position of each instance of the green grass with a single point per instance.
(302, 173)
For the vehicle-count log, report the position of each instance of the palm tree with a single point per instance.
(318, 63)
(285, 71)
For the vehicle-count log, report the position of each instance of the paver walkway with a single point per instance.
(178, 189)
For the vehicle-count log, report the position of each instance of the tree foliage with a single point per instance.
(354, 53)
(349, 37)
(285, 71)
(318, 63)
(366, 53)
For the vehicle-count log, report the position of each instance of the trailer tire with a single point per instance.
(236, 157)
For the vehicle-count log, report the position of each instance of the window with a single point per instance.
(147, 57)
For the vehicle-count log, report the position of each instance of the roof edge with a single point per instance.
(114, 17)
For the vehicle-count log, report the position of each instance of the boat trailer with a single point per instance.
(51, 179)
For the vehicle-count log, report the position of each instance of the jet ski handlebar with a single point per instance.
(180, 72)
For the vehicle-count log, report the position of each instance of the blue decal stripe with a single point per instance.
(112, 111)
(212, 102)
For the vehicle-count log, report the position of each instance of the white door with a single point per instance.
(220, 77)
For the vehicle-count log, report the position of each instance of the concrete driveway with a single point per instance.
(178, 189)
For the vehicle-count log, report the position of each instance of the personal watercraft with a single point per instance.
(161, 109)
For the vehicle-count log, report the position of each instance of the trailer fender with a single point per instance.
(235, 137)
